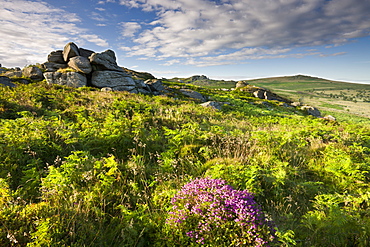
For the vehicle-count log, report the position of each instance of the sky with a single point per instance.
(222, 39)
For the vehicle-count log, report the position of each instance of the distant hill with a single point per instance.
(335, 97)
(303, 82)
(325, 94)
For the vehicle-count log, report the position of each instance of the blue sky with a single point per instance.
(223, 39)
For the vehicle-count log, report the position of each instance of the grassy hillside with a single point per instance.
(346, 101)
(81, 167)
(331, 96)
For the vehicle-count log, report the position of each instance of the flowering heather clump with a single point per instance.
(210, 212)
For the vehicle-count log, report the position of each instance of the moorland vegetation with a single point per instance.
(82, 167)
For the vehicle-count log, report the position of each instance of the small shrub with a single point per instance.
(65, 70)
(209, 212)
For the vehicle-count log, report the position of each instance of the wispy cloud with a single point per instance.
(93, 38)
(32, 29)
(97, 17)
(106, 1)
(171, 62)
(333, 54)
(130, 28)
(196, 29)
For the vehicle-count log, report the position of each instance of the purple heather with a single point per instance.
(204, 207)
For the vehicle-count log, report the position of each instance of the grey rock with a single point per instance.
(143, 87)
(193, 94)
(262, 93)
(271, 96)
(16, 73)
(145, 91)
(155, 85)
(5, 81)
(240, 84)
(70, 50)
(52, 67)
(72, 79)
(106, 89)
(259, 94)
(85, 52)
(213, 104)
(295, 104)
(34, 73)
(111, 79)
(330, 118)
(311, 110)
(131, 89)
(105, 61)
(81, 64)
(23, 81)
(56, 57)
(268, 95)
(198, 78)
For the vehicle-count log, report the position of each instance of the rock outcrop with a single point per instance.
(198, 78)
(15, 73)
(330, 118)
(52, 66)
(70, 50)
(81, 64)
(56, 57)
(155, 85)
(6, 81)
(85, 52)
(193, 94)
(111, 79)
(105, 61)
(313, 111)
(240, 84)
(262, 93)
(214, 104)
(71, 79)
(34, 73)
(88, 68)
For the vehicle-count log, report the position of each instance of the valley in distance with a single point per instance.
(331, 97)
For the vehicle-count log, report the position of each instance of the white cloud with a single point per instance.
(163, 72)
(130, 28)
(333, 55)
(125, 48)
(205, 28)
(30, 30)
(97, 17)
(107, 1)
(171, 62)
(92, 38)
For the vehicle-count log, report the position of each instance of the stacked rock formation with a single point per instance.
(33, 73)
(78, 67)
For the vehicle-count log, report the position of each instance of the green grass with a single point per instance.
(81, 167)
(333, 106)
(354, 98)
